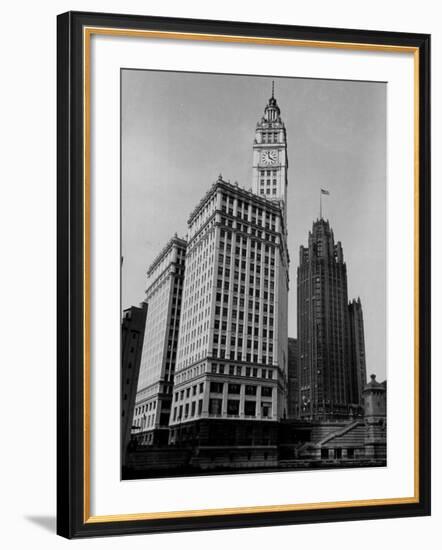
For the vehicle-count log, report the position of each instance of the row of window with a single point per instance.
(191, 390)
(256, 212)
(267, 191)
(233, 407)
(250, 330)
(238, 355)
(250, 344)
(270, 137)
(235, 313)
(240, 370)
(145, 408)
(263, 235)
(268, 173)
(232, 388)
(189, 410)
(243, 264)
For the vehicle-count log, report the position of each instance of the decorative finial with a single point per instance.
(220, 177)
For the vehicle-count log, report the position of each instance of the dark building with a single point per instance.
(375, 405)
(357, 348)
(292, 379)
(327, 381)
(132, 334)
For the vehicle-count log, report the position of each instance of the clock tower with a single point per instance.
(270, 161)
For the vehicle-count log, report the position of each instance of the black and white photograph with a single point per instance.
(253, 274)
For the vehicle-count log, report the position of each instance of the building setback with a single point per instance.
(357, 348)
(327, 388)
(292, 377)
(132, 334)
(165, 279)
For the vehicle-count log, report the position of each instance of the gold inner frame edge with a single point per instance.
(87, 33)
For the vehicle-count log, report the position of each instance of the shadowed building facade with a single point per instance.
(132, 334)
(328, 386)
(375, 403)
(357, 349)
(292, 377)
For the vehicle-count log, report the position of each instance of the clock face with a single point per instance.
(269, 157)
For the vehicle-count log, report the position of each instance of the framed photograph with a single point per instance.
(243, 274)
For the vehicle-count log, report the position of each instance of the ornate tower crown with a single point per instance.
(272, 112)
(270, 162)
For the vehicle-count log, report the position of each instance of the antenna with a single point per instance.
(273, 89)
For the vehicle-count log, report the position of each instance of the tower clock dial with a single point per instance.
(269, 157)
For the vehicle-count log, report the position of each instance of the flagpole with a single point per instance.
(320, 204)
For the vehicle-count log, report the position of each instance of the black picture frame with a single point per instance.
(73, 520)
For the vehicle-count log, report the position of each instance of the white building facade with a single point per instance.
(165, 278)
(232, 350)
(270, 161)
(232, 356)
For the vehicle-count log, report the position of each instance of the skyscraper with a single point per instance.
(163, 295)
(327, 387)
(232, 351)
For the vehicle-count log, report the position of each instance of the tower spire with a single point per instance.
(273, 89)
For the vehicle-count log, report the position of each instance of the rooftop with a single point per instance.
(175, 240)
(233, 188)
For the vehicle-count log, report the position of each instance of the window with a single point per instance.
(265, 409)
(250, 408)
(234, 388)
(250, 390)
(266, 391)
(233, 407)
(215, 406)
(216, 387)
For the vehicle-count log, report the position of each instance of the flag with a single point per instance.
(325, 192)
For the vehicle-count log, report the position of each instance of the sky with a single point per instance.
(179, 131)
